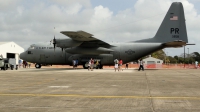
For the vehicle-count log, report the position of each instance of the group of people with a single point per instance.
(118, 65)
(93, 64)
(24, 64)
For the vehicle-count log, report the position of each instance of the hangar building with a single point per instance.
(10, 50)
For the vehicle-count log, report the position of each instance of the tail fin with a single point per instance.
(173, 28)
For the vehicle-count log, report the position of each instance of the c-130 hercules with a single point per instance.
(83, 46)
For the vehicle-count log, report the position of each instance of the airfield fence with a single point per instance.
(135, 66)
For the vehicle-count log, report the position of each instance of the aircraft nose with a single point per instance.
(22, 56)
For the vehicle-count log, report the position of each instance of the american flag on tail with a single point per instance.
(174, 18)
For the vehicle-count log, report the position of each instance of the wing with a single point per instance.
(86, 38)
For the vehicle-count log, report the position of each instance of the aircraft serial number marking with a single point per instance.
(175, 36)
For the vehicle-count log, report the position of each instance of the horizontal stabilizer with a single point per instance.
(175, 44)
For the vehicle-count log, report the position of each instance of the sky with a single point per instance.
(27, 22)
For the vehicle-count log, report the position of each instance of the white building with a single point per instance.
(10, 50)
(151, 62)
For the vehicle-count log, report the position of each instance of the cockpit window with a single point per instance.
(29, 52)
(31, 47)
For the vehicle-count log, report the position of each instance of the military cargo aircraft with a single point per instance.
(83, 46)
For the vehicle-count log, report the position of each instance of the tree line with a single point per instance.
(189, 58)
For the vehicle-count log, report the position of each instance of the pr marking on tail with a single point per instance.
(175, 31)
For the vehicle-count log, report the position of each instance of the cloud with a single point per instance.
(8, 4)
(34, 21)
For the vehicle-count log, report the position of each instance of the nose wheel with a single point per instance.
(85, 65)
(37, 65)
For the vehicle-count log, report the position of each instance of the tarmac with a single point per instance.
(80, 90)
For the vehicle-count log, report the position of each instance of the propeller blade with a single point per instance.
(62, 51)
(54, 43)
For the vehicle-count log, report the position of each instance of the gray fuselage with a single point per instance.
(45, 54)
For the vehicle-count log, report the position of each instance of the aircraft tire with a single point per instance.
(101, 67)
(16, 67)
(84, 66)
(11, 67)
(37, 65)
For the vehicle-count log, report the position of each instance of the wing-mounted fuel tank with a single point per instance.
(88, 51)
(66, 43)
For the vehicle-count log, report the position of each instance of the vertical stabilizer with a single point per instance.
(173, 26)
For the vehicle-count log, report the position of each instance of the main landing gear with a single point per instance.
(38, 65)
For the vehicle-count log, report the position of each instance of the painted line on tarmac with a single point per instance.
(93, 96)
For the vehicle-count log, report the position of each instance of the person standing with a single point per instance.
(120, 65)
(126, 66)
(89, 65)
(29, 65)
(116, 64)
(23, 64)
(196, 64)
(76, 63)
(97, 64)
(141, 65)
(92, 64)
(20, 63)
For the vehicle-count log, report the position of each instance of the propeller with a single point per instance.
(54, 43)
(62, 51)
